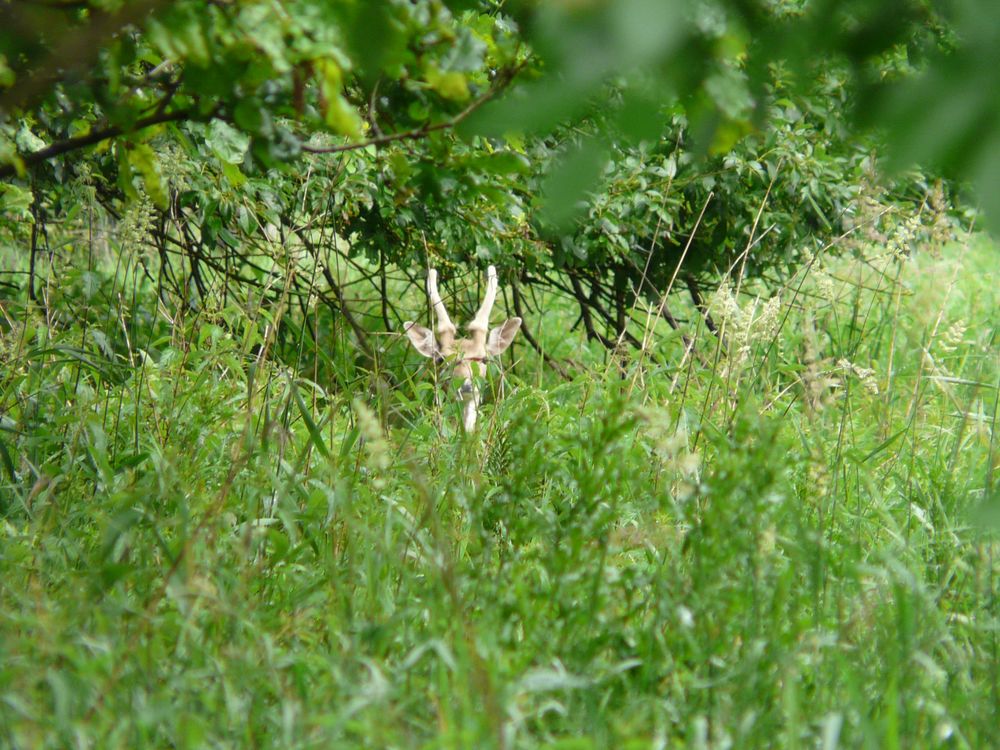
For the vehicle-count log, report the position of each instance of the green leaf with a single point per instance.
(143, 158)
(530, 108)
(565, 187)
(418, 111)
(15, 201)
(27, 141)
(466, 53)
(449, 84)
(228, 143)
(315, 436)
(6, 460)
(501, 163)
(125, 172)
(251, 117)
(7, 76)
(234, 175)
(342, 118)
(339, 115)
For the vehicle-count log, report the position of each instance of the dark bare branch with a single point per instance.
(525, 331)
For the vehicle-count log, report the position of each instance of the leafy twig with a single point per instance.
(413, 134)
(92, 138)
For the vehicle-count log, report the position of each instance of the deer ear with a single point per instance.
(501, 336)
(421, 338)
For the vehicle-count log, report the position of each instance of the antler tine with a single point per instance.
(445, 328)
(481, 323)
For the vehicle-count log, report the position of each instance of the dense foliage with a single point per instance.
(236, 135)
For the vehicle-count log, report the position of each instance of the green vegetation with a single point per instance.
(775, 543)
(734, 485)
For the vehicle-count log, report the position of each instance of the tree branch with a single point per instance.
(588, 323)
(503, 80)
(699, 302)
(546, 357)
(92, 138)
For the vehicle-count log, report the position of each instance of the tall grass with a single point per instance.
(211, 535)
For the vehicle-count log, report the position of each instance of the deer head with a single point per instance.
(469, 355)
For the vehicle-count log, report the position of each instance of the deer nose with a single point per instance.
(466, 388)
